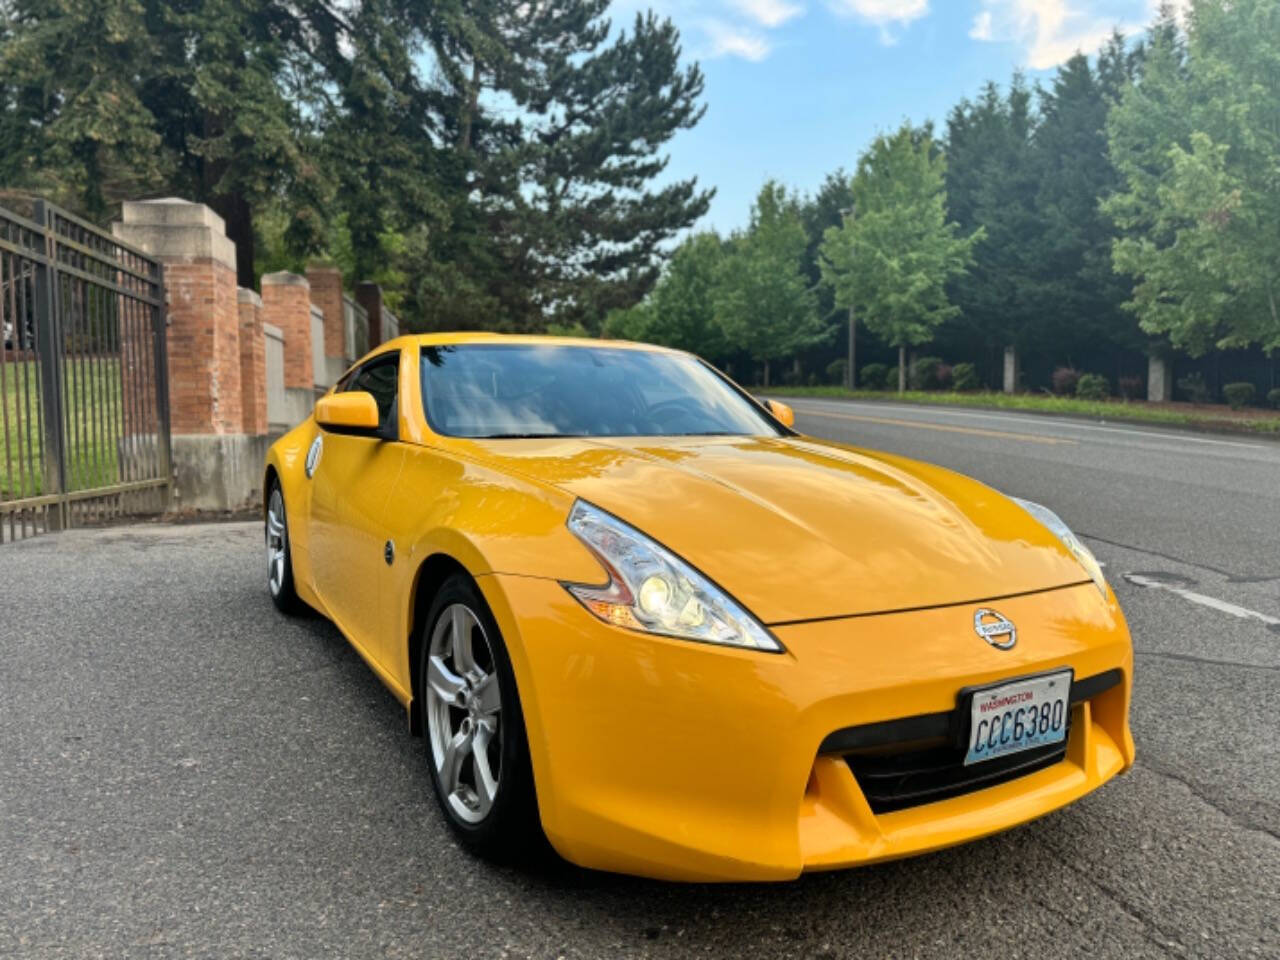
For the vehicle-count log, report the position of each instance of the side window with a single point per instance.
(380, 377)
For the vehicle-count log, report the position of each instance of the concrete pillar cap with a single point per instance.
(245, 295)
(284, 277)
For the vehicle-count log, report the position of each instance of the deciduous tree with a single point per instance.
(894, 258)
(763, 299)
(1197, 142)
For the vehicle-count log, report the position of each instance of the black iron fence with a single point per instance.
(84, 400)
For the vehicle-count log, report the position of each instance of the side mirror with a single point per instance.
(781, 412)
(352, 412)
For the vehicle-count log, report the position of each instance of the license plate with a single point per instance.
(1018, 715)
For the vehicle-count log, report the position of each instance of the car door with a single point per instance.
(353, 476)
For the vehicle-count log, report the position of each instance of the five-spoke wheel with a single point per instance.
(474, 729)
(464, 713)
(279, 566)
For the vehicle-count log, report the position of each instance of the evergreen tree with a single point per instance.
(1080, 297)
(992, 185)
(553, 214)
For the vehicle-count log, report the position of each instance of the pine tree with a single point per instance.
(553, 214)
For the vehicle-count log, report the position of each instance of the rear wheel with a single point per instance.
(279, 556)
(474, 727)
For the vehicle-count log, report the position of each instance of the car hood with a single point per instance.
(799, 529)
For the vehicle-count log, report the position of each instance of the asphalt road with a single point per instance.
(185, 773)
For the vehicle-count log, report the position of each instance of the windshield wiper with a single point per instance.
(521, 436)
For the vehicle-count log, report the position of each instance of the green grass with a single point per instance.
(93, 405)
(1251, 421)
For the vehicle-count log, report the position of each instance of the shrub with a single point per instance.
(923, 373)
(835, 371)
(1273, 397)
(1093, 386)
(943, 374)
(813, 380)
(1239, 395)
(1065, 380)
(1131, 388)
(1194, 387)
(874, 376)
(792, 377)
(964, 378)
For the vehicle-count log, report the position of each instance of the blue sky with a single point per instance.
(796, 88)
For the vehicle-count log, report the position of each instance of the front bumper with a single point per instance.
(693, 762)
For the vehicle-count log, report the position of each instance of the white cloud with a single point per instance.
(1051, 31)
(768, 13)
(981, 29)
(730, 40)
(882, 13)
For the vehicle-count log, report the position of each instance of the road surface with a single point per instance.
(185, 773)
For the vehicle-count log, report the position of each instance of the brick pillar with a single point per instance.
(369, 296)
(326, 293)
(216, 464)
(203, 320)
(286, 303)
(253, 363)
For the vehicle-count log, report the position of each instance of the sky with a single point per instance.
(798, 88)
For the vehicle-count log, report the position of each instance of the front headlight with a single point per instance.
(652, 589)
(1059, 529)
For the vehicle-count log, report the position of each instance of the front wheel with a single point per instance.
(474, 727)
(279, 556)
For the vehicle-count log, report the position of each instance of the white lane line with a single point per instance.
(924, 410)
(1213, 603)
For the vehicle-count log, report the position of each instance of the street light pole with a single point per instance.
(851, 361)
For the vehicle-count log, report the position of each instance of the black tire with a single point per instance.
(510, 830)
(280, 583)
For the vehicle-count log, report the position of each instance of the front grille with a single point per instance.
(896, 781)
(914, 760)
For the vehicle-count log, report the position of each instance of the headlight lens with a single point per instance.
(652, 589)
(1059, 529)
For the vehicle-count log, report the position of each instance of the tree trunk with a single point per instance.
(473, 104)
(238, 214)
(902, 369)
(766, 373)
(851, 372)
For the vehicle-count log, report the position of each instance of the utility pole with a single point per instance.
(851, 364)
(851, 371)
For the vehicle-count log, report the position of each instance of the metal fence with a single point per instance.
(83, 376)
(355, 324)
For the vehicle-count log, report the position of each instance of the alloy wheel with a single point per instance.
(464, 711)
(277, 542)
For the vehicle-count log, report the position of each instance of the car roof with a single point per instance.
(454, 338)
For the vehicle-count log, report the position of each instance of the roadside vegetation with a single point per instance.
(93, 405)
(1168, 414)
(1126, 208)
(500, 166)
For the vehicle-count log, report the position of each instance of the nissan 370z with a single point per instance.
(630, 609)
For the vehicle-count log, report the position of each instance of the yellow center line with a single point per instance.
(973, 431)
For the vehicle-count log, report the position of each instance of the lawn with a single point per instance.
(93, 394)
(1202, 416)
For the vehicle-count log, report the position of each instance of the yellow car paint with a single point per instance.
(689, 761)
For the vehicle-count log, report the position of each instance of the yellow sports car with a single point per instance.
(628, 607)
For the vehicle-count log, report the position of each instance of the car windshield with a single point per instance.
(526, 390)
